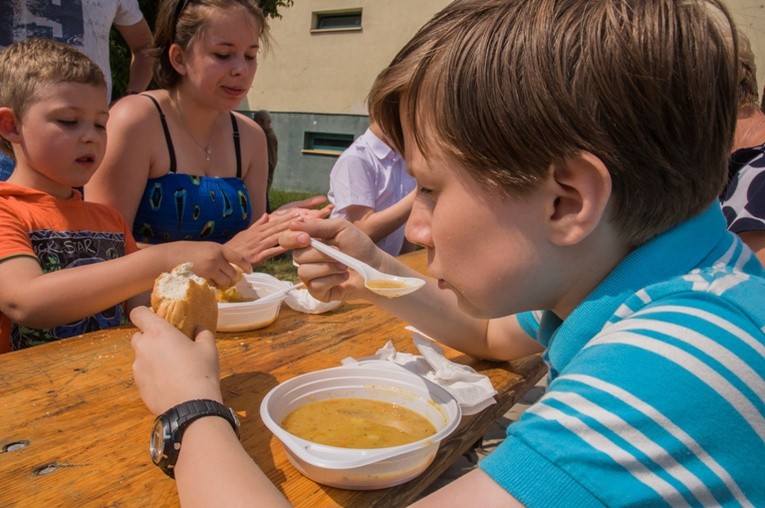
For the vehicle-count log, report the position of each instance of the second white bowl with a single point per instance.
(243, 316)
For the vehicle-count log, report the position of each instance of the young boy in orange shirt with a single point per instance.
(67, 266)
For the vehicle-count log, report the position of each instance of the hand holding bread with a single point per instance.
(185, 300)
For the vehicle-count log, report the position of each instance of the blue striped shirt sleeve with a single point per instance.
(666, 405)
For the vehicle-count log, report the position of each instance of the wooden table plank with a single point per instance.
(74, 432)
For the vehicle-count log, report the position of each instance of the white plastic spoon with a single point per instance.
(247, 289)
(376, 281)
(281, 292)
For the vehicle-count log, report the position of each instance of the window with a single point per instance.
(333, 21)
(323, 143)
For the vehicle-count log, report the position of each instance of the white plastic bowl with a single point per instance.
(243, 316)
(362, 469)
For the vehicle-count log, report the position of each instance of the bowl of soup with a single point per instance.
(360, 427)
(247, 306)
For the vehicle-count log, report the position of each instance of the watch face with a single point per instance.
(166, 435)
(237, 424)
(157, 444)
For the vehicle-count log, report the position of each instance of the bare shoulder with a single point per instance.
(134, 111)
(134, 122)
(248, 126)
(254, 153)
(252, 136)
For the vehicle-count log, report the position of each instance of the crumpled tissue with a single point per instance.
(472, 390)
(302, 301)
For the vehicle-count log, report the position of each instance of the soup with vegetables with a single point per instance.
(357, 423)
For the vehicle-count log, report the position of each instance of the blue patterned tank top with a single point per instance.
(177, 206)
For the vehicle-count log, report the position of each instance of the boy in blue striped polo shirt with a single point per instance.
(568, 157)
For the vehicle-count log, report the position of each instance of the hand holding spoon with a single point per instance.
(376, 281)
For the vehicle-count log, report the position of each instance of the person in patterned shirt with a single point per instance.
(743, 199)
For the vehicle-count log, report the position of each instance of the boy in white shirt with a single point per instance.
(370, 187)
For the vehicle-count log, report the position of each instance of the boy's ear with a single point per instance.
(581, 189)
(177, 58)
(9, 126)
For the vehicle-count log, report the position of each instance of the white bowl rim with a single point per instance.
(361, 457)
(252, 303)
(266, 280)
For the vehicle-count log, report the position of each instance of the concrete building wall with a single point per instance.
(332, 71)
(305, 170)
(318, 81)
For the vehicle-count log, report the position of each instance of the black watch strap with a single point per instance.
(174, 422)
(190, 410)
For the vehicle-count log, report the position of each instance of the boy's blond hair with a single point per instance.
(509, 88)
(26, 67)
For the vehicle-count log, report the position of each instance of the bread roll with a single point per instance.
(185, 300)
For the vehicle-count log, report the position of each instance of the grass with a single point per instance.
(281, 267)
(278, 197)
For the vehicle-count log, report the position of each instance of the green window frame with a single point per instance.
(333, 21)
(326, 143)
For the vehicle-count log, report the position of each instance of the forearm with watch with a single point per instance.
(214, 469)
(169, 427)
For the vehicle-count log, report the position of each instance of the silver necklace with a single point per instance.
(207, 149)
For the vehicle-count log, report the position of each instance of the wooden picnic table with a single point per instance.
(74, 431)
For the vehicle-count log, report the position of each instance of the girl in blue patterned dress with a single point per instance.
(180, 164)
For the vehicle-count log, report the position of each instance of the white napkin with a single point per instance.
(472, 390)
(302, 301)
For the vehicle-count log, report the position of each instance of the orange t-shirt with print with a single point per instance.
(60, 234)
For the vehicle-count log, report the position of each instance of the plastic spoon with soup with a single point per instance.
(376, 281)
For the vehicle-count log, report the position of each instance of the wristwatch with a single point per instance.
(165, 444)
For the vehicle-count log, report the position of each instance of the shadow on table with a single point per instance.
(244, 392)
